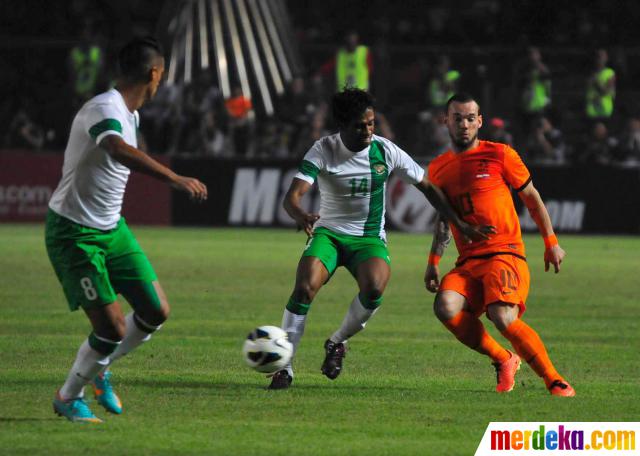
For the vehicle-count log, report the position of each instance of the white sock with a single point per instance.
(293, 324)
(354, 321)
(133, 337)
(86, 366)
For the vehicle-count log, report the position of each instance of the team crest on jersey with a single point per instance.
(379, 169)
(483, 169)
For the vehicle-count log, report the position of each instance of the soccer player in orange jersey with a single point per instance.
(490, 275)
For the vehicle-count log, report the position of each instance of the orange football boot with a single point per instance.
(506, 373)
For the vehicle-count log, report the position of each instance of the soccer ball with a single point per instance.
(267, 349)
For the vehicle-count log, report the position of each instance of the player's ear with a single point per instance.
(154, 74)
(479, 120)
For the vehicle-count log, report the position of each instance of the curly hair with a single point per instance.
(350, 104)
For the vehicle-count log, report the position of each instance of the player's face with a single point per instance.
(157, 72)
(463, 122)
(358, 133)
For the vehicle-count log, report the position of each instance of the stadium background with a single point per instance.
(191, 125)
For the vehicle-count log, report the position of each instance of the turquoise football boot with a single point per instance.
(104, 393)
(75, 410)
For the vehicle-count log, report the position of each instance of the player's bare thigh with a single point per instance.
(372, 276)
(448, 304)
(310, 276)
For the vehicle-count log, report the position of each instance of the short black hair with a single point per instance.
(137, 57)
(462, 97)
(350, 104)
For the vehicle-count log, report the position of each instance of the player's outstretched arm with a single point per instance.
(441, 239)
(137, 160)
(553, 253)
(438, 199)
(292, 205)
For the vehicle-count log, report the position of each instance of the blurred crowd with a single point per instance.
(563, 100)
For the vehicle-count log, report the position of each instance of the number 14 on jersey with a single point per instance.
(362, 188)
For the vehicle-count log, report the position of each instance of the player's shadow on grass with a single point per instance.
(172, 383)
(17, 419)
(351, 388)
(195, 384)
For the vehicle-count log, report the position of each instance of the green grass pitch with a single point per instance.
(408, 387)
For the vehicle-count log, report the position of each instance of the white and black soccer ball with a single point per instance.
(267, 349)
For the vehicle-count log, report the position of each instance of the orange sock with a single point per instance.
(470, 331)
(530, 347)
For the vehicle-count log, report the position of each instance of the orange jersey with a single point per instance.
(478, 185)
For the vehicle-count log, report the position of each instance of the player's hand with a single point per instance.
(554, 256)
(432, 278)
(306, 221)
(477, 232)
(196, 189)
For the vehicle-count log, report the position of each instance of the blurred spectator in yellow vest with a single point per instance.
(443, 83)
(352, 63)
(534, 87)
(601, 89)
(86, 60)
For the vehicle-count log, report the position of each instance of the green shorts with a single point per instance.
(334, 249)
(94, 265)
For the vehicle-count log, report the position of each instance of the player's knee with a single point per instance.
(445, 307)
(304, 292)
(112, 330)
(374, 291)
(157, 315)
(371, 298)
(502, 315)
(165, 311)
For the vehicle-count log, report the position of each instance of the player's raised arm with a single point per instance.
(291, 204)
(438, 199)
(553, 253)
(441, 239)
(137, 160)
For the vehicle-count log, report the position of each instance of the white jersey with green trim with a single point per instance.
(92, 186)
(353, 184)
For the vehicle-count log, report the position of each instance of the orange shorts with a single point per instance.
(501, 278)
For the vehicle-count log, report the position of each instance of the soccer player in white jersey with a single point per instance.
(92, 251)
(352, 168)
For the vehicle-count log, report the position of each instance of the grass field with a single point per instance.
(407, 388)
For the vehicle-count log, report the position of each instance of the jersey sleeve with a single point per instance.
(103, 120)
(311, 164)
(405, 166)
(515, 172)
